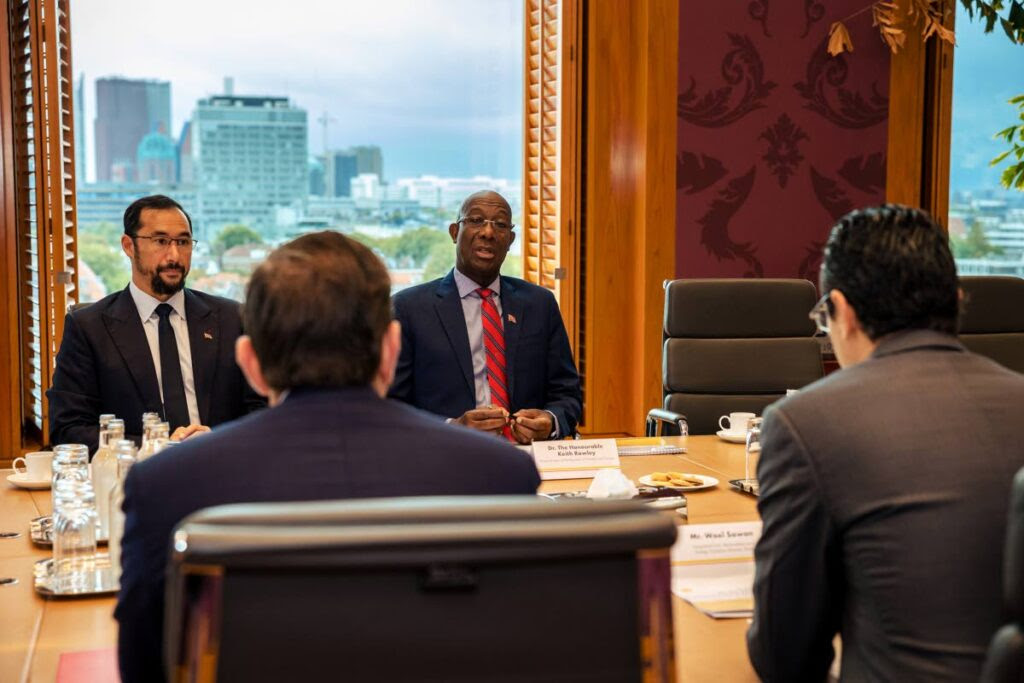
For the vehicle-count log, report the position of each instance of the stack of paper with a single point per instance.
(713, 567)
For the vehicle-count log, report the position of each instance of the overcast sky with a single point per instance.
(436, 83)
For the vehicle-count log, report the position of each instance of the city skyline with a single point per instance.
(422, 86)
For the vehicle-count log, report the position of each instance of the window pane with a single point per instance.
(986, 221)
(375, 119)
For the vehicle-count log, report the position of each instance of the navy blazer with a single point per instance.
(316, 445)
(435, 370)
(105, 366)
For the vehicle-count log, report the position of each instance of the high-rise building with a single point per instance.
(339, 170)
(251, 157)
(368, 160)
(126, 110)
(79, 96)
(186, 171)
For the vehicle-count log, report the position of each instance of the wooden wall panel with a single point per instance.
(629, 205)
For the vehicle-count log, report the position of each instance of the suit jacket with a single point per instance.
(105, 366)
(316, 445)
(884, 495)
(435, 370)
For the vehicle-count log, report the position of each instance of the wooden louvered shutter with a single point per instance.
(39, 34)
(552, 240)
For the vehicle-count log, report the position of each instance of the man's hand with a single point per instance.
(531, 424)
(486, 418)
(182, 433)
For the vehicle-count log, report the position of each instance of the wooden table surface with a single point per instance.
(35, 631)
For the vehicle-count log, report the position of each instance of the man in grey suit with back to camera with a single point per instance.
(884, 486)
(321, 345)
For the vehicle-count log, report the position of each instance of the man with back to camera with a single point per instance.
(489, 352)
(152, 347)
(885, 486)
(322, 346)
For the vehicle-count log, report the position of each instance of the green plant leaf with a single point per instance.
(999, 158)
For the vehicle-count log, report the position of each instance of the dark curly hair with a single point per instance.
(894, 266)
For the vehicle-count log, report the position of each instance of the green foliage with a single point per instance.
(104, 256)
(1013, 175)
(411, 248)
(232, 236)
(990, 12)
(440, 260)
(974, 245)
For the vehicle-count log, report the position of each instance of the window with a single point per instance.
(986, 221)
(375, 119)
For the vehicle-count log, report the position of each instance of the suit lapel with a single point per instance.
(453, 320)
(512, 311)
(125, 329)
(204, 343)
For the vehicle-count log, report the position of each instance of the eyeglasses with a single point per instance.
(163, 243)
(478, 222)
(819, 314)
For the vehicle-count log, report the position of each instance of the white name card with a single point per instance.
(575, 459)
(703, 543)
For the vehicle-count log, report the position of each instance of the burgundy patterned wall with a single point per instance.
(776, 138)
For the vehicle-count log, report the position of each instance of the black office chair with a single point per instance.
(992, 323)
(1005, 660)
(513, 588)
(734, 345)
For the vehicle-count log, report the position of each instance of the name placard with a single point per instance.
(576, 459)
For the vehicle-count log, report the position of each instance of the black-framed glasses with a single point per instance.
(163, 243)
(478, 222)
(819, 314)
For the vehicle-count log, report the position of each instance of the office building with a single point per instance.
(340, 168)
(157, 159)
(251, 156)
(126, 110)
(80, 175)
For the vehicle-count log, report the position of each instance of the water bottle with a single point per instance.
(104, 472)
(125, 450)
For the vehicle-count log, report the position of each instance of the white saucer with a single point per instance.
(706, 483)
(732, 437)
(21, 480)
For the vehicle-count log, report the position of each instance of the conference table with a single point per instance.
(35, 631)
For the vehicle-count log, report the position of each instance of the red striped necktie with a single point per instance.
(494, 345)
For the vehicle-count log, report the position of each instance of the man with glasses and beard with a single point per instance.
(152, 347)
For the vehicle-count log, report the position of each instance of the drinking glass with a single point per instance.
(74, 535)
(753, 450)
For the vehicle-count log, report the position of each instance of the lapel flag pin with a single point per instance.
(207, 335)
(511, 318)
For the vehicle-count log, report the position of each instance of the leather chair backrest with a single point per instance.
(463, 588)
(992, 322)
(1005, 660)
(736, 345)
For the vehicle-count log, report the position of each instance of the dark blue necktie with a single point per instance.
(175, 406)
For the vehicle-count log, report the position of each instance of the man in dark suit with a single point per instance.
(487, 351)
(322, 346)
(884, 486)
(152, 347)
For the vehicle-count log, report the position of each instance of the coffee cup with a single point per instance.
(38, 465)
(735, 422)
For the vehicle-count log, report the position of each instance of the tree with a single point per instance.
(974, 245)
(439, 262)
(232, 236)
(105, 258)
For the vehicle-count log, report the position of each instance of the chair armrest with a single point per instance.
(657, 418)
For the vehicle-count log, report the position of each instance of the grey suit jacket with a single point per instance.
(884, 493)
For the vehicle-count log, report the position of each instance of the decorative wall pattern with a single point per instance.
(776, 138)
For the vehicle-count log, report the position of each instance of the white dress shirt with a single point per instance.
(146, 305)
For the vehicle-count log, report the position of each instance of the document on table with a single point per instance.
(713, 567)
